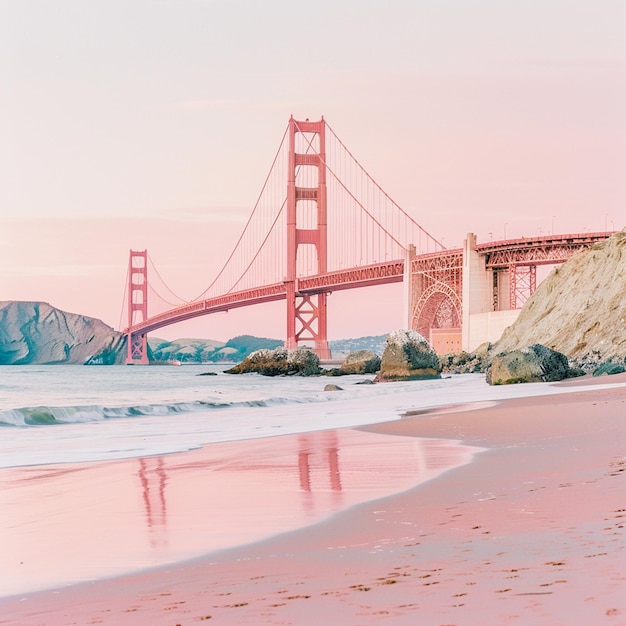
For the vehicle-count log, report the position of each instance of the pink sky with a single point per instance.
(153, 125)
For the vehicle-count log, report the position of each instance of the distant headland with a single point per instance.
(37, 333)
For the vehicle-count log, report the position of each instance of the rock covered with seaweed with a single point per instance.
(279, 362)
(533, 364)
(359, 362)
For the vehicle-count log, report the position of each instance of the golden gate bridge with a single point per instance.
(321, 224)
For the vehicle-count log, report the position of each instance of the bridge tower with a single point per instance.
(137, 344)
(306, 314)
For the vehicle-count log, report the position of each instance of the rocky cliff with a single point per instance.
(37, 333)
(580, 309)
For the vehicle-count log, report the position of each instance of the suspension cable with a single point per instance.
(259, 247)
(124, 299)
(383, 191)
(156, 271)
(160, 297)
(232, 254)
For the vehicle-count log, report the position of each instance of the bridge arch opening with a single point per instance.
(438, 316)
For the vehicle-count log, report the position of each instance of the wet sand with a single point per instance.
(530, 532)
(67, 524)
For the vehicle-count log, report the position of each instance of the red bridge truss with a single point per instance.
(437, 283)
(545, 250)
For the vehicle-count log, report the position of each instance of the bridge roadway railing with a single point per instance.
(365, 276)
(376, 274)
(545, 250)
(256, 295)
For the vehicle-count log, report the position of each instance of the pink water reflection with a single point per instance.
(68, 524)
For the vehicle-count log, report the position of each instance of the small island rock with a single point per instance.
(331, 387)
(279, 362)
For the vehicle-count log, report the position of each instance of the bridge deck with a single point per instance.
(543, 250)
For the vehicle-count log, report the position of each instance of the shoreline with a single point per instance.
(530, 531)
(122, 517)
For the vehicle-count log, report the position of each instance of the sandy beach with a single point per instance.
(529, 531)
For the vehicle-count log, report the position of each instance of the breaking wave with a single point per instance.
(46, 415)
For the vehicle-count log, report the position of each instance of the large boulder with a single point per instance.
(408, 356)
(279, 362)
(359, 362)
(609, 368)
(464, 362)
(533, 364)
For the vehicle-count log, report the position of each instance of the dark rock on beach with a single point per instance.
(279, 362)
(609, 368)
(533, 364)
(575, 372)
(331, 387)
(408, 356)
(467, 362)
(359, 362)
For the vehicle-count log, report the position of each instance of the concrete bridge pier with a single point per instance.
(477, 291)
(487, 304)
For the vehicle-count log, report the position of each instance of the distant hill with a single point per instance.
(375, 343)
(38, 333)
(208, 350)
(238, 348)
(185, 350)
(35, 332)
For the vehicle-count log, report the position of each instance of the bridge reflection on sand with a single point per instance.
(230, 494)
(65, 525)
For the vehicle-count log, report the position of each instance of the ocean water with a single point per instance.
(60, 414)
